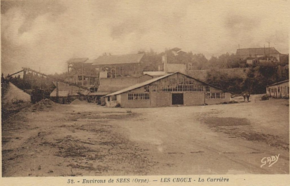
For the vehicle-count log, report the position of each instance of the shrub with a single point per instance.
(265, 97)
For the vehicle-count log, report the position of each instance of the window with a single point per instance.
(80, 78)
(208, 95)
(217, 95)
(147, 96)
(190, 87)
(114, 98)
(222, 95)
(140, 96)
(108, 74)
(184, 87)
(109, 98)
(130, 96)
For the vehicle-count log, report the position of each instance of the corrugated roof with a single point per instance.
(118, 59)
(98, 93)
(77, 60)
(256, 51)
(152, 81)
(110, 85)
(280, 82)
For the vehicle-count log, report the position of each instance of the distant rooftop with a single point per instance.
(118, 59)
(256, 51)
(155, 73)
(77, 60)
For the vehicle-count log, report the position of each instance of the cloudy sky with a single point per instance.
(44, 34)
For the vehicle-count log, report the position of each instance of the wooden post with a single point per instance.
(82, 74)
(57, 91)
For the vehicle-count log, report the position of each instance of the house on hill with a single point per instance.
(114, 66)
(245, 53)
(174, 60)
(168, 90)
(279, 89)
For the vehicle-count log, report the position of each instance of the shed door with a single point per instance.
(177, 99)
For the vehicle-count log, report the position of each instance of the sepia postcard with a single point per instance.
(144, 92)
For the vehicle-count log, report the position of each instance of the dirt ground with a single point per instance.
(83, 139)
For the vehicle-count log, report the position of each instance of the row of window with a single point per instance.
(180, 80)
(138, 96)
(144, 96)
(216, 95)
(184, 88)
(280, 89)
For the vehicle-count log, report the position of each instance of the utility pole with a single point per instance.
(82, 74)
(269, 48)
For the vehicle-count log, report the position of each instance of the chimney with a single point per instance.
(164, 60)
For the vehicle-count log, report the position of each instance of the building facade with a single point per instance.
(82, 73)
(168, 90)
(279, 89)
(117, 66)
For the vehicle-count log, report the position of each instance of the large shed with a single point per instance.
(167, 90)
(279, 89)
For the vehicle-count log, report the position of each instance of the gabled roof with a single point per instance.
(280, 82)
(77, 60)
(110, 85)
(118, 59)
(152, 81)
(256, 51)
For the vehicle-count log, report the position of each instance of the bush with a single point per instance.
(265, 97)
(230, 102)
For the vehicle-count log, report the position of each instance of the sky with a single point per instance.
(45, 34)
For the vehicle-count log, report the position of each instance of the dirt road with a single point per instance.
(86, 139)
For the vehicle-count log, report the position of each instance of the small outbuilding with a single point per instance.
(279, 89)
(168, 90)
(60, 96)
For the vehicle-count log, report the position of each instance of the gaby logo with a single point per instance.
(271, 160)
